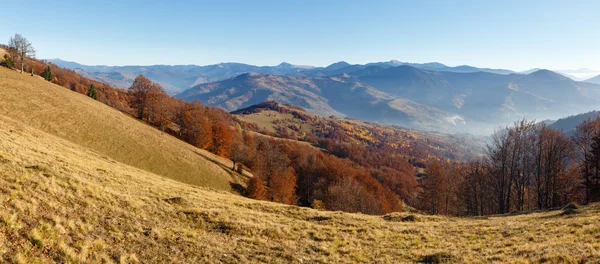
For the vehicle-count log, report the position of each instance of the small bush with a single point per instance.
(399, 218)
(7, 62)
(570, 209)
(569, 212)
(319, 218)
(571, 206)
(440, 257)
(175, 200)
(318, 204)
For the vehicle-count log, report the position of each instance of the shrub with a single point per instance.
(7, 62)
(318, 204)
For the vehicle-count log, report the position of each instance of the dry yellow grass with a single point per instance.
(96, 126)
(265, 119)
(60, 202)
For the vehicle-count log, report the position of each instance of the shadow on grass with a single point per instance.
(235, 186)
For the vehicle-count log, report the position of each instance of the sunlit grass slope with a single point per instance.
(60, 202)
(91, 124)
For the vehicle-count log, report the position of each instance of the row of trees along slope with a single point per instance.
(527, 166)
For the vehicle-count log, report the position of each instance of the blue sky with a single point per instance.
(515, 35)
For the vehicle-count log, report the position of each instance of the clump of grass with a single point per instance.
(319, 218)
(176, 200)
(571, 206)
(400, 218)
(41, 168)
(440, 257)
(3, 160)
(570, 209)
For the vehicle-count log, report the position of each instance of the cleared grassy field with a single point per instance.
(265, 119)
(60, 202)
(91, 124)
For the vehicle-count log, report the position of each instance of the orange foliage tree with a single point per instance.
(222, 140)
(256, 189)
(282, 187)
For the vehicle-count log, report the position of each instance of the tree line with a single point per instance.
(527, 166)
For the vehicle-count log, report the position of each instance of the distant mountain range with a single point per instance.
(568, 124)
(174, 78)
(412, 97)
(178, 78)
(595, 80)
(429, 96)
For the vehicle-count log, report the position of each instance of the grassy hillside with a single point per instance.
(60, 202)
(96, 126)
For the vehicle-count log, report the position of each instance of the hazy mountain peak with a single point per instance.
(530, 71)
(594, 80)
(338, 65)
(247, 75)
(285, 65)
(547, 74)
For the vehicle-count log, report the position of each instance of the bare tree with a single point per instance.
(583, 139)
(20, 48)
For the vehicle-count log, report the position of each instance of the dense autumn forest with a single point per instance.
(526, 166)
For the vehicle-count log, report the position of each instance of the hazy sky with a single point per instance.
(515, 35)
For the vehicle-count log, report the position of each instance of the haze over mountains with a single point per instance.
(595, 80)
(429, 96)
(177, 78)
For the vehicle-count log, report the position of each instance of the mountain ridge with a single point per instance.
(595, 80)
(182, 77)
(411, 97)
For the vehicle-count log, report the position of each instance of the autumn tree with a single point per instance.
(206, 136)
(350, 195)
(270, 158)
(531, 166)
(194, 126)
(510, 164)
(222, 140)
(256, 189)
(144, 94)
(238, 153)
(435, 184)
(249, 148)
(553, 155)
(475, 192)
(157, 104)
(282, 187)
(19, 49)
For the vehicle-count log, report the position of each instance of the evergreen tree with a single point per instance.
(47, 74)
(92, 92)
